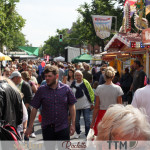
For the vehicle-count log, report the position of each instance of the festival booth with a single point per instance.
(125, 46)
(82, 58)
(97, 58)
(123, 49)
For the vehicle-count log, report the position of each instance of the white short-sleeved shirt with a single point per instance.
(108, 95)
(141, 99)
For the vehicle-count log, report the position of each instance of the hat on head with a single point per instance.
(15, 74)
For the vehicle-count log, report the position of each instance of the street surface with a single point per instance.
(38, 131)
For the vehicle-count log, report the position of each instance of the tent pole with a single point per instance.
(147, 63)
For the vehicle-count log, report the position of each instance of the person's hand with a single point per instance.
(92, 107)
(24, 130)
(92, 125)
(72, 130)
(28, 131)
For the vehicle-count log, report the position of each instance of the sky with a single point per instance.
(44, 17)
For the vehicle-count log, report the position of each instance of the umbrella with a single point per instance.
(4, 57)
(82, 58)
(60, 58)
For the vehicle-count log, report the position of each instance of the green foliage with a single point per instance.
(55, 48)
(11, 24)
(82, 31)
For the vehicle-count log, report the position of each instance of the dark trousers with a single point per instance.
(49, 134)
(50, 137)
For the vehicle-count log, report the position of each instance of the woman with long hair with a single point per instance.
(70, 77)
(106, 94)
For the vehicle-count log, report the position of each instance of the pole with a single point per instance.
(147, 63)
(80, 48)
(116, 24)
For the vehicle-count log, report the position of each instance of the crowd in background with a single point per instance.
(94, 87)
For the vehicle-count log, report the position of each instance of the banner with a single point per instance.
(47, 57)
(102, 25)
(146, 36)
(132, 6)
(147, 4)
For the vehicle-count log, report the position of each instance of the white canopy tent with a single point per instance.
(60, 58)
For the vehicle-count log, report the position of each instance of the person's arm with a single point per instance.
(73, 117)
(27, 92)
(32, 118)
(24, 126)
(119, 100)
(34, 88)
(131, 88)
(25, 117)
(95, 112)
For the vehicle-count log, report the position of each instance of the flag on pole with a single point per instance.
(147, 4)
(102, 25)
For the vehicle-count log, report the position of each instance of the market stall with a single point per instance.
(60, 58)
(125, 47)
(128, 43)
(82, 58)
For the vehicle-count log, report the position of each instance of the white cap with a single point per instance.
(15, 74)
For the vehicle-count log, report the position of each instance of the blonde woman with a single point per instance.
(85, 100)
(124, 123)
(106, 94)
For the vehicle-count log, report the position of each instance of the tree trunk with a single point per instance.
(1, 47)
(93, 49)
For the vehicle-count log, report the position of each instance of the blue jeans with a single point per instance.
(86, 116)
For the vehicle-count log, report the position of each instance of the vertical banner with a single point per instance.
(146, 36)
(47, 59)
(147, 4)
(102, 25)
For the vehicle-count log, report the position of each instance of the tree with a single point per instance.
(10, 23)
(82, 31)
(55, 48)
(97, 7)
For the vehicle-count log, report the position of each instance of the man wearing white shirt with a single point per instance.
(141, 99)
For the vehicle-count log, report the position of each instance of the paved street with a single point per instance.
(38, 131)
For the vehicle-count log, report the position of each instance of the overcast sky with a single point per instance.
(43, 17)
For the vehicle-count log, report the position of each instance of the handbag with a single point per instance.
(91, 136)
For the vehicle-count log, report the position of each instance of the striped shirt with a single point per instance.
(55, 104)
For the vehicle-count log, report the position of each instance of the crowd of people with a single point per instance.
(64, 91)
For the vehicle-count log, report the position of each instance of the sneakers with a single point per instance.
(33, 135)
(75, 136)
